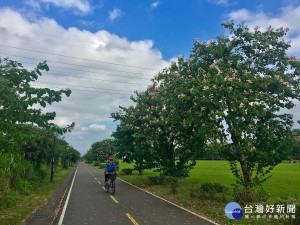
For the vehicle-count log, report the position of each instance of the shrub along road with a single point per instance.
(88, 203)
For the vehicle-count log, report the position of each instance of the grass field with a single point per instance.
(27, 203)
(285, 180)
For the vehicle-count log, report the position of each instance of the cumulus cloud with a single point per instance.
(81, 5)
(115, 14)
(93, 129)
(101, 69)
(288, 17)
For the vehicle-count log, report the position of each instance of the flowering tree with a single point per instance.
(245, 80)
(101, 150)
(130, 139)
(147, 135)
(230, 92)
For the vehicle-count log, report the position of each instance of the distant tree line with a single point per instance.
(100, 151)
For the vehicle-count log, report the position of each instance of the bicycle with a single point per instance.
(110, 184)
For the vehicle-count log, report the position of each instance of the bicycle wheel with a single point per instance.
(107, 186)
(112, 187)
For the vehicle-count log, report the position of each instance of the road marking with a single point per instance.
(99, 182)
(115, 200)
(132, 220)
(202, 217)
(67, 200)
(103, 188)
(95, 178)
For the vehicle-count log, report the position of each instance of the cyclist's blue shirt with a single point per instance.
(110, 168)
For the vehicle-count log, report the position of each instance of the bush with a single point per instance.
(213, 188)
(244, 195)
(101, 165)
(116, 161)
(208, 190)
(157, 180)
(17, 177)
(96, 164)
(174, 183)
(127, 171)
(290, 199)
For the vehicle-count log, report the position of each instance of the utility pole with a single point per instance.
(52, 161)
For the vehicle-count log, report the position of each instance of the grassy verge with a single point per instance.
(27, 203)
(284, 181)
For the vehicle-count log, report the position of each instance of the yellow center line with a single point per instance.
(132, 220)
(103, 188)
(99, 182)
(115, 200)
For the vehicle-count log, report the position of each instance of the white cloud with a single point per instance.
(114, 69)
(34, 4)
(81, 5)
(155, 4)
(115, 14)
(219, 2)
(289, 17)
(94, 128)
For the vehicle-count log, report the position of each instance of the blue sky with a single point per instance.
(170, 24)
(104, 50)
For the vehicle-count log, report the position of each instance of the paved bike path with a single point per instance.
(90, 204)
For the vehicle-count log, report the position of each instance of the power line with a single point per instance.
(56, 74)
(102, 92)
(79, 66)
(91, 78)
(58, 67)
(82, 86)
(73, 57)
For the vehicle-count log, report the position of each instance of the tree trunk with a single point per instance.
(236, 139)
(245, 171)
(140, 172)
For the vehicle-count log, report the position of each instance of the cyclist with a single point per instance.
(110, 167)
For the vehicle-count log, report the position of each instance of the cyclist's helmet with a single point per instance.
(110, 159)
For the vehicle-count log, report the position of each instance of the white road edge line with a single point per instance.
(67, 200)
(169, 202)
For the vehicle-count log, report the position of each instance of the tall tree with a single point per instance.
(244, 81)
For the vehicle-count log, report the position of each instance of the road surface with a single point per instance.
(88, 203)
